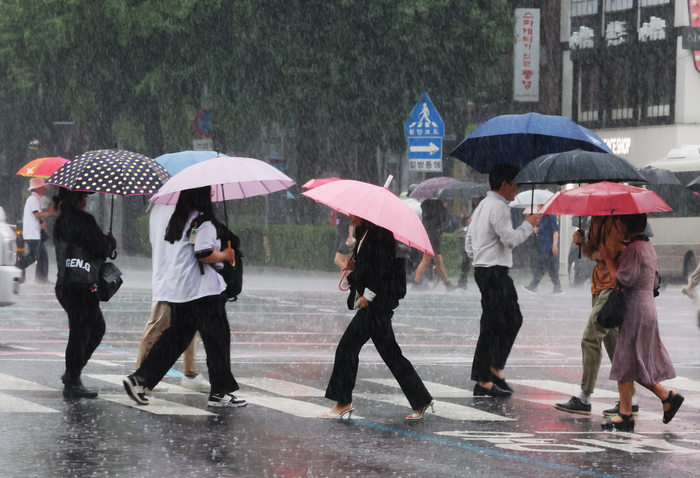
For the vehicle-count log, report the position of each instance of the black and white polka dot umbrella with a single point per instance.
(111, 171)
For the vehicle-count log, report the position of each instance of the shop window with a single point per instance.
(657, 84)
(622, 97)
(590, 88)
(618, 5)
(653, 3)
(583, 7)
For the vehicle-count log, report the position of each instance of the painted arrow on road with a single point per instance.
(431, 148)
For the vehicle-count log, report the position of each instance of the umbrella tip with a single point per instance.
(388, 181)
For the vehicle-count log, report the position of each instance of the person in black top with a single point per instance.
(377, 282)
(434, 218)
(81, 249)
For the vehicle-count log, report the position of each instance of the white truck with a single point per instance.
(9, 274)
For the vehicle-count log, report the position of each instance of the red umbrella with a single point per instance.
(377, 205)
(42, 167)
(604, 199)
(430, 187)
(314, 183)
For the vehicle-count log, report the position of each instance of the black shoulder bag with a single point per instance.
(613, 312)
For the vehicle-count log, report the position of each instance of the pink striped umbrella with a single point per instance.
(430, 187)
(377, 205)
(314, 183)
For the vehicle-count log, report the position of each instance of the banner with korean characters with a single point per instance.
(527, 55)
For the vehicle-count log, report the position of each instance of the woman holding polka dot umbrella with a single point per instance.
(111, 171)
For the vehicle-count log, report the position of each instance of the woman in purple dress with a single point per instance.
(639, 356)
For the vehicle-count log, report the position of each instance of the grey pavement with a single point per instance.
(285, 327)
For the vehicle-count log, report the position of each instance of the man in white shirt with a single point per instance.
(33, 223)
(490, 242)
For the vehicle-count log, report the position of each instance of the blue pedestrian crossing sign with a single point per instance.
(424, 132)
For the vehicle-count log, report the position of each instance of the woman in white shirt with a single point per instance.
(197, 303)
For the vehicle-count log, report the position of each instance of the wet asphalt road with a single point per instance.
(285, 328)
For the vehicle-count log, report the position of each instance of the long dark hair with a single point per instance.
(67, 201)
(190, 200)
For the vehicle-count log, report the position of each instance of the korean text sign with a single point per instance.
(527, 54)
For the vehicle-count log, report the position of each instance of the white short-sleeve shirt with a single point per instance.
(31, 225)
(158, 224)
(185, 281)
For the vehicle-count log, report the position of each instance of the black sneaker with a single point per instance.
(495, 391)
(530, 289)
(574, 405)
(557, 291)
(135, 387)
(225, 400)
(74, 388)
(612, 412)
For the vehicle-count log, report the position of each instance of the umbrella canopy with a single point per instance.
(578, 167)
(229, 177)
(656, 176)
(176, 162)
(42, 167)
(463, 190)
(111, 171)
(604, 199)
(518, 139)
(377, 205)
(528, 198)
(314, 183)
(430, 187)
(694, 185)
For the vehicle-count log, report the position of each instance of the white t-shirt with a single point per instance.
(185, 281)
(32, 225)
(158, 223)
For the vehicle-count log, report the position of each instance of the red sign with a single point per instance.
(202, 123)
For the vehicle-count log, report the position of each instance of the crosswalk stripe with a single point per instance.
(682, 383)
(10, 404)
(157, 406)
(448, 410)
(562, 388)
(281, 387)
(436, 389)
(289, 406)
(8, 382)
(162, 387)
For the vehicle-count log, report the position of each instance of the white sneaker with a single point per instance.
(197, 383)
(225, 400)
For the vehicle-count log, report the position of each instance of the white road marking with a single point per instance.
(158, 406)
(450, 411)
(562, 388)
(289, 406)
(10, 404)
(683, 384)
(436, 389)
(8, 382)
(281, 387)
(162, 387)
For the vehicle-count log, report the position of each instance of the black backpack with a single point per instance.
(232, 274)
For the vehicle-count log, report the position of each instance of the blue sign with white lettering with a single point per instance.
(425, 121)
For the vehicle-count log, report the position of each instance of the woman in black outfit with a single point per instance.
(375, 291)
(81, 249)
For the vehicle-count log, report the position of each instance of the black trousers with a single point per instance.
(208, 316)
(373, 323)
(500, 321)
(545, 262)
(85, 323)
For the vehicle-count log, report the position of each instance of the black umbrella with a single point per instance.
(578, 167)
(694, 185)
(463, 190)
(111, 171)
(659, 176)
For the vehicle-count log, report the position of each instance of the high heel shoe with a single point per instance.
(676, 400)
(626, 425)
(419, 416)
(339, 416)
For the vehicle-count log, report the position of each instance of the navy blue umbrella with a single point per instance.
(518, 139)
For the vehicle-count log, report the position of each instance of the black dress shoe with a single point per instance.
(74, 388)
(494, 391)
(501, 382)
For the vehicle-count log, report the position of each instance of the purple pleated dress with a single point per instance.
(640, 356)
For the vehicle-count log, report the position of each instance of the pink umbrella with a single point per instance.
(377, 205)
(430, 187)
(229, 177)
(604, 199)
(314, 183)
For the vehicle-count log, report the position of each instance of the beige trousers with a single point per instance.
(157, 323)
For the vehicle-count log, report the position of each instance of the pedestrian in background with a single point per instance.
(434, 217)
(602, 232)
(375, 293)
(346, 237)
(197, 303)
(81, 249)
(640, 356)
(33, 225)
(159, 319)
(546, 259)
(490, 242)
